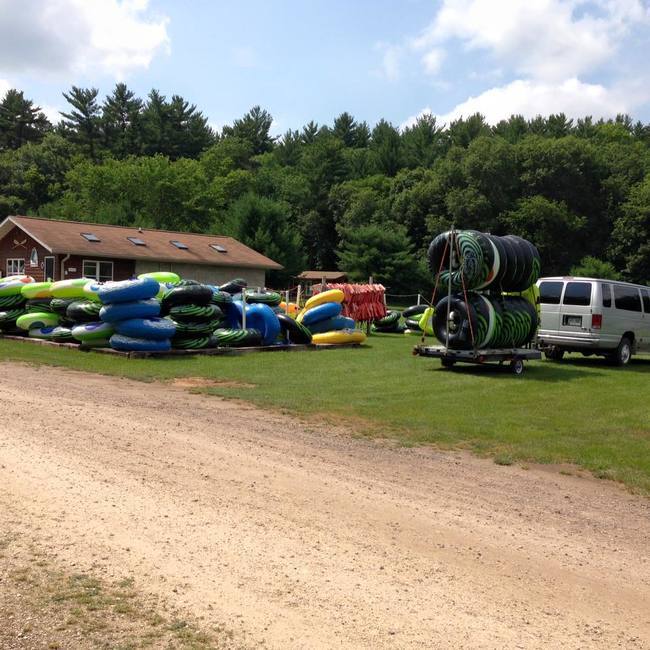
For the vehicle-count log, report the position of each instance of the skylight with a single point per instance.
(136, 241)
(179, 244)
(219, 248)
(90, 237)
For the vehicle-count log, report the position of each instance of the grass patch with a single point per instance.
(580, 411)
(68, 607)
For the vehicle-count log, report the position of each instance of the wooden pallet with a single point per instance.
(180, 353)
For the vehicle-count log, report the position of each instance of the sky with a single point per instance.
(312, 60)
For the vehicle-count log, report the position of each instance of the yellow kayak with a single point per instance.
(338, 337)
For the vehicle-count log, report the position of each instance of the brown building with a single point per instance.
(47, 248)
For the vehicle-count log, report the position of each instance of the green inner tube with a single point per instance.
(38, 304)
(271, 298)
(195, 329)
(195, 313)
(10, 316)
(60, 305)
(238, 338)
(197, 343)
(220, 297)
(391, 319)
(11, 302)
(83, 311)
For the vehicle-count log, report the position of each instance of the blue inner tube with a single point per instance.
(259, 317)
(129, 344)
(146, 328)
(125, 310)
(322, 312)
(128, 291)
(331, 324)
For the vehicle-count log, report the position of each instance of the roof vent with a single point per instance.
(136, 241)
(90, 237)
(178, 244)
(219, 248)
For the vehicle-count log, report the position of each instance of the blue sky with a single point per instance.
(313, 60)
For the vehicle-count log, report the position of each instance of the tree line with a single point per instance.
(344, 195)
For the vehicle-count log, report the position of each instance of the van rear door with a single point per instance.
(550, 295)
(575, 310)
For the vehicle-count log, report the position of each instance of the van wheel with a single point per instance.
(623, 353)
(554, 354)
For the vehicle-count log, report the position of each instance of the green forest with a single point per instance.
(345, 195)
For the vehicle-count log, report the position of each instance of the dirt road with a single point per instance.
(297, 536)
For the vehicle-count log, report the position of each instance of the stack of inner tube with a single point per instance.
(190, 307)
(484, 321)
(483, 261)
(132, 311)
(390, 323)
(12, 303)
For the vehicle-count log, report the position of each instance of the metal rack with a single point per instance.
(515, 357)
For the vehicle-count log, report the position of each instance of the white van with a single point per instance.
(593, 316)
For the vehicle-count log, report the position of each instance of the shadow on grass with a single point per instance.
(536, 372)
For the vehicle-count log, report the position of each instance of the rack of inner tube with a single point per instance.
(513, 355)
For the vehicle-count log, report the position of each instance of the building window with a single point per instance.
(33, 258)
(178, 244)
(136, 241)
(88, 236)
(16, 266)
(219, 248)
(96, 270)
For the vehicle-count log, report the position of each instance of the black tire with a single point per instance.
(554, 354)
(414, 310)
(623, 353)
(447, 363)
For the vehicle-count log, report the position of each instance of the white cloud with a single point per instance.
(432, 60)
(4, 87)
(64, 38)
(545, 39)
(532, 98)
(51, 112)
(390, 61)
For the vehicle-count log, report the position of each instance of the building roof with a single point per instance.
(63, 237)
(319, 275)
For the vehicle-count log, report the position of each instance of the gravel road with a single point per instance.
(295, 535)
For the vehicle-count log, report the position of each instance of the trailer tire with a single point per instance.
(554, 354)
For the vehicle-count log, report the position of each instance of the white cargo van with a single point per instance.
(593, 316)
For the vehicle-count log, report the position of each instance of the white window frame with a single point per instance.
(12, 271)
(95, 275)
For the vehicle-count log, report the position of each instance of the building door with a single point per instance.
(48, 268)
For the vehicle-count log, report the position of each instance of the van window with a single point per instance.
(550, 292)
(627, 298)
(607, 295)
(646, 300)
(577, 293)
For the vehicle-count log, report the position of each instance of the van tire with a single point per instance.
(623, 353)
(554, 354)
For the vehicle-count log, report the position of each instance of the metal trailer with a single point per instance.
(515, 357)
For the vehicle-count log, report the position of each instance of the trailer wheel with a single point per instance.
(517, 367)
(447, 363)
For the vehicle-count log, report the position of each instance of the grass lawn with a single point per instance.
(580, 411)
